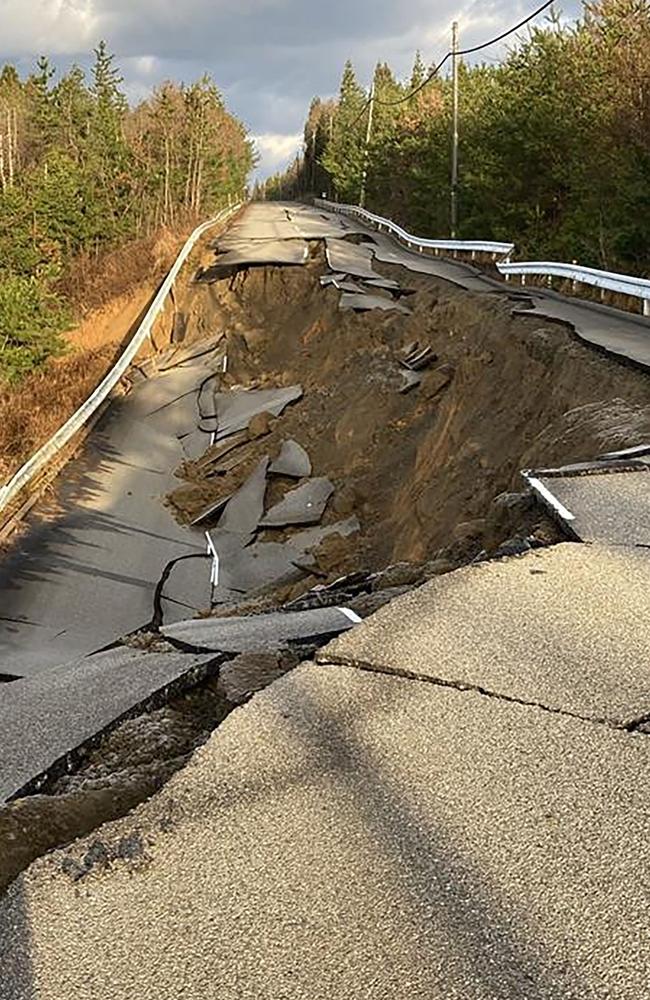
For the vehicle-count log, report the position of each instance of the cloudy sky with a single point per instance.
(268, 56)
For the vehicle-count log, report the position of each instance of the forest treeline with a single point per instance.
(554, 143)
(81, 172)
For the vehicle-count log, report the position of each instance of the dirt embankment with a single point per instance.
(109, 295)
(420, 470)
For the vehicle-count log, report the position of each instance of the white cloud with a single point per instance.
(53, 27)
(145, 65)
(269, 57)
(276, 151)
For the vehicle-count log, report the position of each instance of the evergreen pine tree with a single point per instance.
(344, 157)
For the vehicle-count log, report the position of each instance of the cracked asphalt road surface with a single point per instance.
(476, 830)
(563, 627)
(353, 834)
(86, 574)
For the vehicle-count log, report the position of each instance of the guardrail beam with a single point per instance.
(40, 460)
(606, 281)
(495, 248)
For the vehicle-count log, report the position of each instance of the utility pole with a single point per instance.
(454, 144)
(366, 150)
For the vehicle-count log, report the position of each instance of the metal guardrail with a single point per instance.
(609, 281)
(24, 476)
(457, 246)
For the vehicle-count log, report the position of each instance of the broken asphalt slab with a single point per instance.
(564, 628)
(363, 303)
(350, 258)
(261, 633)
(304, 505)
(45, 718)
(370, 838)
(243, 569)
(311, 537)
(244, 510)
(252, 253)
(293, 461)
(386, 251)
(236, 408)
(611, 330)
(611, 507)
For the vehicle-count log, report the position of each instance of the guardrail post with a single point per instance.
(646, 307)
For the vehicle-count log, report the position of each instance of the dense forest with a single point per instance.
(554, 143)
(81, 173)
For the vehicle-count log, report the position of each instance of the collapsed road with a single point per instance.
(340, 437)
(87, 570)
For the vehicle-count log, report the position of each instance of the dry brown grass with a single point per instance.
(94, 281)
(33, 410)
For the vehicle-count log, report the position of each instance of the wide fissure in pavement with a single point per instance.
(420, 469)
(337, 795)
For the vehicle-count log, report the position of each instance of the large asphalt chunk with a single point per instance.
(244, 253)
(347, 834)
(304, 505)
(350, 258)
(260, 633)
(46, 717)
(236, 408)
(244, 510)
(609, 507)
(292, 461)
(243, 568)
(310, 538)
(362, 302)
(613, 330)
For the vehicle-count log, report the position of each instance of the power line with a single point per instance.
(464, 52)
(461, 52)
(361, 113)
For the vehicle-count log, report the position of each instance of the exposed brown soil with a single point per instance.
(419, 470)
(127, 766)
(110, 295)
